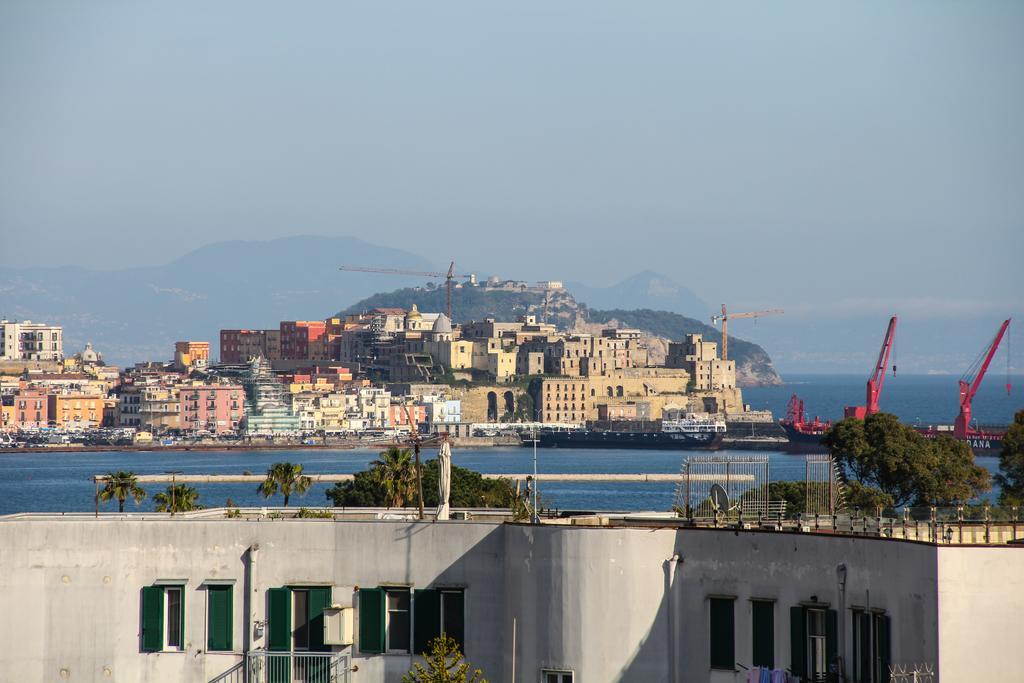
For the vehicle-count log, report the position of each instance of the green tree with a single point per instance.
(287, 478)
(881, 452)
(395, 473)
(122, 485)
(184, 498)
(1011, 463)
(860, 496)
(444, 665)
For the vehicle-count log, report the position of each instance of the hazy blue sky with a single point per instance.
(854, 156)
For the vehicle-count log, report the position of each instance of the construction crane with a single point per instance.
(725, 317)
(971, 381)
(874, 391)
(447, 277)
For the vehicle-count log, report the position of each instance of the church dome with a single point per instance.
(414, 314)
(442, 325)
(89, 355)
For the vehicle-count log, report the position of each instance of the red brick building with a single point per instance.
(300, 340)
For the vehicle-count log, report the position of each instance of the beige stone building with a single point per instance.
(579, 399)
(700, 359)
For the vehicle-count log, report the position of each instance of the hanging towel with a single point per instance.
(766, 676)
(754, 675)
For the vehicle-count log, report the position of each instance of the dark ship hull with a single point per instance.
(584, 438)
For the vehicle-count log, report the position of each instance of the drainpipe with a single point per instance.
(670, 607)
(841, 649)
(253, 626)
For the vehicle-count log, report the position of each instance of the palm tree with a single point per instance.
(395, 473)
(120, 485)
(178, 498)
(287, 477)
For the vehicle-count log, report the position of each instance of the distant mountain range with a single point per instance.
(137, 313)
(133, 313)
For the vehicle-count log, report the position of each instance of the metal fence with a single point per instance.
(716, 487)
(297, 667)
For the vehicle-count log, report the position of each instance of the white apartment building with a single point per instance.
(206, 597)
(31, 341)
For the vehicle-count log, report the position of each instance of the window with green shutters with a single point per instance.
(722, 632)
(763, 636)
(437, 611)
(813, 640)
(163, 618)
(870, 647)
(219, 622)
(285, 634)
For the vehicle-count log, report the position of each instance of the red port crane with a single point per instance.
(971, 381)
(447, 277)
(877, 377)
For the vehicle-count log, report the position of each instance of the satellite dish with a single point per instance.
(719, 497)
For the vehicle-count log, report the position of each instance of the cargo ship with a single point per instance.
(804, 435)
(685, 433)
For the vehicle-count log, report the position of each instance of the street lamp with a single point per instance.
(172, 473)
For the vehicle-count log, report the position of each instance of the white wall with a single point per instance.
(595, 600)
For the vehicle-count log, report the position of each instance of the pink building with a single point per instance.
(397, 416)
(213, 408)
(31, 409)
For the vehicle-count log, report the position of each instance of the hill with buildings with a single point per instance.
(560, 307)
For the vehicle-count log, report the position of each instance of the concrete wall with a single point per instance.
(981, 607)
(608, 603)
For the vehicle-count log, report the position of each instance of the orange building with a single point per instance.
(191, 354)
(75, 411)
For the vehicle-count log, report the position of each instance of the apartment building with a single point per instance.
(31, 341)
(210, 408)
(198, 596)
(75, 411)
(191, 355)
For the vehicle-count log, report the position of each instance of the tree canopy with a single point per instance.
(1011, 463)
(287, 478)
(120, 486)
(903, 464)
(444, 664)
(469, 489)
(177, 498)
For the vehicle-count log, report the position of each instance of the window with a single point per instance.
(163, 618)
(397, 625)
(219, 619)
(439, 611)
(763, 636)
(552, 676)
(870, 647)
(295, 618)
(813, 641)
(722, 634)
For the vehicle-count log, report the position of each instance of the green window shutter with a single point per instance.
(371, 620)
(723, 654)
(763, 618)
(319, 599)
(831, 638)
(884, 644)
(219, 620)
(862, 626)
(455, 617)
(152, 618)
(427, 623)
(798, 641)
(279, 618)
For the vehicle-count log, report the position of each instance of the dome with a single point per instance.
(414, 313)
(442, 325)
(88, 355)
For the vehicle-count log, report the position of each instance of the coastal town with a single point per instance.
(379, 373)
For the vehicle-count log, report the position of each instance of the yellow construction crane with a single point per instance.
(447, 277)
(725, 317)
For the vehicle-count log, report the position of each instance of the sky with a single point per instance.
(833, 158)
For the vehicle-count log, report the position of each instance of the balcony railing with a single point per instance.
(298, 667)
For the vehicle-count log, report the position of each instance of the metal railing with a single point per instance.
(297, 667)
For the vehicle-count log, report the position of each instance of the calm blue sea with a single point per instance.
(62, 482)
